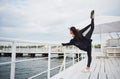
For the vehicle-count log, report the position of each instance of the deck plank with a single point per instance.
(116, 64)
(114, 68)
(108, 70)
(102, 74)
(118, 61)
(95, 75)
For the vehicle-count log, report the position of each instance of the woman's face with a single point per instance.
(71, 32)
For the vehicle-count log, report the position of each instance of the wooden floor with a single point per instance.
(103, 68)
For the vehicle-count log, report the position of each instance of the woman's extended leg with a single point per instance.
(89, 56)
(89, 34)
(87, 69)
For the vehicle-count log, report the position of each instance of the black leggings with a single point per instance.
(89, 56)
(88, 36)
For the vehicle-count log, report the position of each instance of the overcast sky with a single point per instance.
(49, 19)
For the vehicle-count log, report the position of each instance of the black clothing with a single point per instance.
(89, 56)
(81, 44)
(84, 43)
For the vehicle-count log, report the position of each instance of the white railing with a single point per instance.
(15, 43)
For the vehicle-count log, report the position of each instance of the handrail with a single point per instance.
(5, 63)
(24, 41)
(49, 46)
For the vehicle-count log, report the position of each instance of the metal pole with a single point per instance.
(64, 58)
(101, 40)
(49, 59)
(18, 48)
(73, 55)
(36, 48)
(12, 72)
(78, 56)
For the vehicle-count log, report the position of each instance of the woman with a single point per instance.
(83, 42)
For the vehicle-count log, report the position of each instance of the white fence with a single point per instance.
(48, 48)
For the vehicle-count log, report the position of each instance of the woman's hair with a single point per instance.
(76, 32)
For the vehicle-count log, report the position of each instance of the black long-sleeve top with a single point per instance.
(81, 43)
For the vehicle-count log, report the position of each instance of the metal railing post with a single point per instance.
(78, 57)
(64, 58)
(81, 55)
(49, 59)
(73, 59)
(12, 72)
(73, 55)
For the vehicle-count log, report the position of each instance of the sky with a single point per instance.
(49, 20)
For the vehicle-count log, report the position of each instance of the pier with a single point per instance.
(103, 68)
(32, 48)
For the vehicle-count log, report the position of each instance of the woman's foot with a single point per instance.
(87, 69)
(92, 14)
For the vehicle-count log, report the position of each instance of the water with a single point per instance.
(26, 69)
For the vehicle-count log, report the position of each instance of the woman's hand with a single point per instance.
(63, 44)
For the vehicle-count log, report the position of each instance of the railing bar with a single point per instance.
(29, 59)
(43, 72)
(70, 61)
(5, 63)
(38, 74)
(25, 41)
(55, 67)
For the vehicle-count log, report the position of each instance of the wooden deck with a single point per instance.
(103, 68)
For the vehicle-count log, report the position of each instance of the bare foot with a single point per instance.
(88, 68)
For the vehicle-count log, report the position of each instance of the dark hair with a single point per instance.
(76, 32)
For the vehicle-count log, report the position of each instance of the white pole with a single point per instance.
(101, 40)
(36, 48)
(49, 59)
(73, 55)
(12, 72)
(18, 47)
(64, 58)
